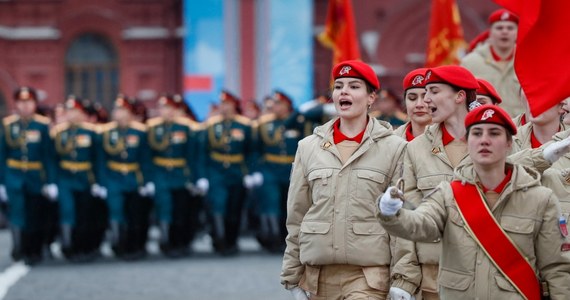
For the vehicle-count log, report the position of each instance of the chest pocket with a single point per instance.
(370, 184)
(427, 183)
(521, 232)
(321, 184)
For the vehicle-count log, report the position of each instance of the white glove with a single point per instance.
(399, 294)
(102, 192)
(96, 190)
(556, 150)
(257, 178)
(298, 293)
(203, 185)
(3, 194)
(50, 191)
(248, 181)
(147, 190)
(390, 206)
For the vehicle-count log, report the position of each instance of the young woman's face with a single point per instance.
(442, 101)
(351, 98)
(487, 144)
(416, 108)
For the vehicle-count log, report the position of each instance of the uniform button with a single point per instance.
(336, 247)
(339, 174)
(337, 211)
(478, 262)
(369, 230)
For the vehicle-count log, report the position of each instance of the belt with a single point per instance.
(227, 158)
(279, 159)
(75, 166)
(123, 167)
(169, 162)
(24, 165)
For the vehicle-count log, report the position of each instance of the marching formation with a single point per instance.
(467, 200)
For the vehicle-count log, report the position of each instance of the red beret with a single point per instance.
(73, 102)
(356, 69)
(175, 101)
(415, 79)
(487, 89)
(453, 75)
(503, 15)
(122, 101)
(280, 96)
(25, 93)
(490, 113)
(227, 96)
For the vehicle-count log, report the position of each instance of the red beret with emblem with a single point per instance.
(281, 96)
(487, 89)
(503, 15)
(415, 79)
(73, 102)
(490, 113)
(453, 75)
(356, 69)
(122, 101)
(25, 93)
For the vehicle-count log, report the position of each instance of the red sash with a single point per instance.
(495, 242)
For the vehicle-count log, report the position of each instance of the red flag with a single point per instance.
(340, 31)
(446, 44)
(542, 56)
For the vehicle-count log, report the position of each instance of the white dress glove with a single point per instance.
(248, 181)
(298, 293)
(50, 191)
(203, 185)
(399, 294)
(3, 194)
(147, 190)
(390, 206)
(98, 191)
(556, 150)
(257, 178)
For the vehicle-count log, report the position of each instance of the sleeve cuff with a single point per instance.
(405, 285)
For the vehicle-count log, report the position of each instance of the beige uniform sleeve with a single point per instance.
(298, 203)
(531, 158)
(554, 267)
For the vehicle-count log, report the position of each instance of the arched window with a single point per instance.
(91, 69)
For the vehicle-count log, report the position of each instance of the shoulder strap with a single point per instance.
(495, 242)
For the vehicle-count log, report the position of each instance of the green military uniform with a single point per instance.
(175, 155)
(230, 156)
(27, 165)
(277, 146)
(125, 168)
(82, 216)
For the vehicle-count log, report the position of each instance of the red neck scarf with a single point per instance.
(339, 136)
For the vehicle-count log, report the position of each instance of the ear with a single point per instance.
(371, 98)
(460, 97)
(560, 109)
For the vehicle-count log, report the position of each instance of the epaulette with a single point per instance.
(266, 118)
(188, 122)
(58, 128)
(242, 120)
(107, 126)
(42, 119)
(89, 126)
(138, 126)
(214, 120)
(10, 119)
(154, 121)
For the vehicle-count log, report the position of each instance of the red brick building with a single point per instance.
(97, 48)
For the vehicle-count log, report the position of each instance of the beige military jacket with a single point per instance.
(331, 207)
(523, 137)
(526, 211)
(481, 63)
(401, 131)
(425, 166)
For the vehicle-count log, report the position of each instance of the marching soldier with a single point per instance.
(27, 175)
(228, 144)
(125, 172)
(80, 206)
(277, 145)
(174, 145)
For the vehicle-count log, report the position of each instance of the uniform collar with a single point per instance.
(338, 136)
(409, 135)
(497, 58)
(446, 138)
(499, 189)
